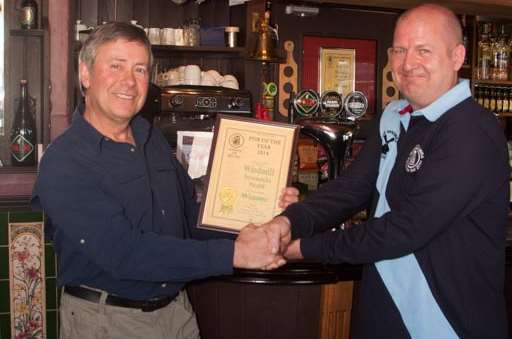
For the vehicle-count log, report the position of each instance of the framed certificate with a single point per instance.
(249, 165)
(337, 70)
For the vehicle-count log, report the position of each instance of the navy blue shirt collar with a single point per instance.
(93, 138)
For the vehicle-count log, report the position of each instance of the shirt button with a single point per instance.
(82, 241)
(163, 212)
(132, 149)
(106, 139)
(164, 285)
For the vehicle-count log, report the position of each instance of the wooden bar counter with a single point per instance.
(301, 300)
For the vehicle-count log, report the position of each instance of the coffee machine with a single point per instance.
(330, 120)
(194, 108)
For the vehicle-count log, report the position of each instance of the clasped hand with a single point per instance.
(263, 246)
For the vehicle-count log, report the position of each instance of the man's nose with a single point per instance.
(409, 61)
(129, 78)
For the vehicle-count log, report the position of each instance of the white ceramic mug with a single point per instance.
(172, 77)
(154, 35)
(167, 36)
(207, 79)
(216, 76)
(192, 75)
(178, 37)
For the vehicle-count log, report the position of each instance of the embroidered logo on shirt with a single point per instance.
(414, 160)
(388, 137)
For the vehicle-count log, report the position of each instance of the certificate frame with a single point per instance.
(337, 70)
(250, 162)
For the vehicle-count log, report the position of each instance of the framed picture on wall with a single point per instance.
(361, 59)
(337, 70)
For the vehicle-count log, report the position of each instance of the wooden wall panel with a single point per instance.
(141, 12)
(252, 311)
(163, 13)
(61, 64)
(124, 10)
(87, 12)
(152, 13)
(106, 11)
(214, 13)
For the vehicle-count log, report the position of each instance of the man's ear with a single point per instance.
(458, 55)
(84, 75)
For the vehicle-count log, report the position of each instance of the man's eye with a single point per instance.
(398, 51)
(115, 66)
(424, 51)
(141, 70)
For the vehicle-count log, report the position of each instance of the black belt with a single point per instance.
(94, 296)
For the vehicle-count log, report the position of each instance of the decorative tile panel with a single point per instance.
(26, 277)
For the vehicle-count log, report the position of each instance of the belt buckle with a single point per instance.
(153, 305)
(149, 306)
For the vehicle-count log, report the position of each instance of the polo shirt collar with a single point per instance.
(454, 96)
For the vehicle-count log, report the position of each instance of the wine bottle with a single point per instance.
(23, 132)
(28, 15)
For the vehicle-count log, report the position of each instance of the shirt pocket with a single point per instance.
(131, 189)
(169, 196)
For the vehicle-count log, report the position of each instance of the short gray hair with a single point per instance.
(109, 32)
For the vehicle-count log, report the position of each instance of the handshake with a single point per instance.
(267, 246)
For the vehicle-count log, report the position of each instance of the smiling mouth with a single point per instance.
(125, 96)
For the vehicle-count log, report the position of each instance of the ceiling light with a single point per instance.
(301, 11)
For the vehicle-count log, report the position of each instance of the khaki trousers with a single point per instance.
(82, 319)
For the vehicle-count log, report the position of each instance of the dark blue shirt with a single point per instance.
(122, 215)
(451, 213)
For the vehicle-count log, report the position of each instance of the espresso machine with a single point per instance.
(194, 108)
(330, 120)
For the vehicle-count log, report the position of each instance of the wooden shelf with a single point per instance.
(198, 49)
(504, 115)
(27, 32)
(493, 82)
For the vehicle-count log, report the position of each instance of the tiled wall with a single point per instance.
(51, 290)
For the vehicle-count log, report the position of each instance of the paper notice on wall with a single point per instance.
(193, 151)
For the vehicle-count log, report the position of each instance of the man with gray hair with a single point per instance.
(123, 212)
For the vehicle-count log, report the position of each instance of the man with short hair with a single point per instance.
(123, 211)
(436, 176)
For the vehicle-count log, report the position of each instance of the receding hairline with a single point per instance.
(453, 26)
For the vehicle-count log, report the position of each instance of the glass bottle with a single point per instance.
(499, 100)
(28, 14)
(23, 132)
(480, 95)
(492, 100)
(506, 107)
(501, 54)
(486, 98)
(509, 99)
(484, 54)
(493, 38)
(476, 93)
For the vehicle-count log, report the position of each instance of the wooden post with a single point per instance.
(335, 310)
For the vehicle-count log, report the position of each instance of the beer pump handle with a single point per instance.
(291, 111)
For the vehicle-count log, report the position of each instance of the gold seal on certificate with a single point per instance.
(249, 165)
